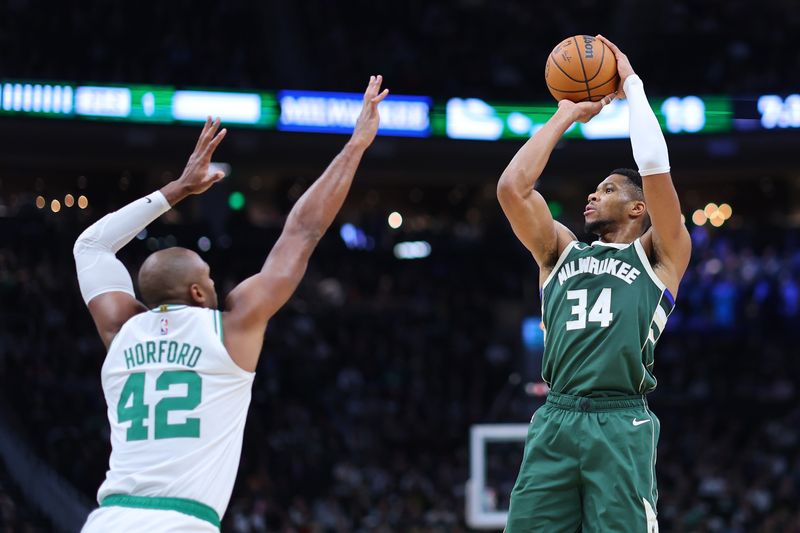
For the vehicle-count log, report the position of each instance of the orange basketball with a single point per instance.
(581, 69)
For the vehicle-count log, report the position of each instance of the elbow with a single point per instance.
(506, 187)
(90, 239)
(82, 243)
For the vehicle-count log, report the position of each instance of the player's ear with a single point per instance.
(637, 208)
(197, 295)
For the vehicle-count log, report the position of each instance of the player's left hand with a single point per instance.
(196, 177)
(624, 67)
(585, 111)
(369, 119)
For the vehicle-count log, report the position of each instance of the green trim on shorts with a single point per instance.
(181, 505)
(569, 402)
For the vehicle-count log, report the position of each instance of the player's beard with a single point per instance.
(597, 227)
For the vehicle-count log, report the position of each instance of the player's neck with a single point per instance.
(177, 301)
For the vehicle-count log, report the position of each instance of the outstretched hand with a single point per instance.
(624, 68)
(369, 119)
(196, 178)
(584, 111)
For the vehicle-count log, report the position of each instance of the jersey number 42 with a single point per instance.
(131, 406)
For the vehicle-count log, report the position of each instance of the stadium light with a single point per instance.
(395, 220)
(412, 250)
(712, 213)
(236, 201)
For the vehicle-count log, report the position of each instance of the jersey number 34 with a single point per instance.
(599, 313)
(131, 406)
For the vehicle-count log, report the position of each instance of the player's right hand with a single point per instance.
(196, 178)
(369, 119)
(624, 68)
(584, 111)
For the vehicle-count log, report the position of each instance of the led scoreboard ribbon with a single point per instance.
(472, 118)
(44, 99)
(332, 112)
(167, 105)
(137, 103)
(401, 115)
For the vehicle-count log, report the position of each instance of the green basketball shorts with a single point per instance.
(589, 466)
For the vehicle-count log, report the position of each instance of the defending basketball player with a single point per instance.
(178, 374)
(589, 461)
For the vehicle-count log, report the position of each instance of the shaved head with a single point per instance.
(177, 276)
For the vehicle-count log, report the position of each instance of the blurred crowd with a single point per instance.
(372, 375)
(462, 48)
(374, 372)
(17, 515)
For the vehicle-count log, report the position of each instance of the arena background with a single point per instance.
(373, 374)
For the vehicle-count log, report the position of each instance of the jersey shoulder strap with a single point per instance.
(563, 257)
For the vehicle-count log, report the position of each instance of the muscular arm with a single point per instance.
(253, 302)
(104, 281)
(671, 244)
(668, 242)
(524, 207)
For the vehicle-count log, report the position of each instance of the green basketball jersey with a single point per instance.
(603, 310)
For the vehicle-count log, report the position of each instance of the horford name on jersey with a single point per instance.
(154, 352)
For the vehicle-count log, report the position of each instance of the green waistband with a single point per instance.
(181, 505)
(586, 404)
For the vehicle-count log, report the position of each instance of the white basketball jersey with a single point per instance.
(177, 405)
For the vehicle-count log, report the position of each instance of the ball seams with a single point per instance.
(592, 89)
(562, 70)
(583, 68)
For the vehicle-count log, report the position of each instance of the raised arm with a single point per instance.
(104, 281)
(252, 303)
(667, 242)
(524, 207)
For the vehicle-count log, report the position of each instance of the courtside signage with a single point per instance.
(334, 112)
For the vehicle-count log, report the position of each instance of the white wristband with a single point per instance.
(647, 140)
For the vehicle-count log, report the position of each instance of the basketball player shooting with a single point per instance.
(590, 452)
(178, 373)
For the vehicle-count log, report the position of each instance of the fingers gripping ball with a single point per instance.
(581, 69)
